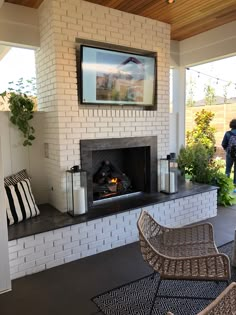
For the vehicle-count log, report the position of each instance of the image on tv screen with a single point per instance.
(112, 77)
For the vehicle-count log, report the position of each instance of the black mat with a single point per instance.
(136, 297)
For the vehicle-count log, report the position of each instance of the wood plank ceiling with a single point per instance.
(187, 17)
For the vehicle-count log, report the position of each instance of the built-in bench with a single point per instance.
(55, 238)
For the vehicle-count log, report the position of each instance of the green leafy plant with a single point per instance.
(196, 162)
(203, 131)
(21, 106)
(225, 185)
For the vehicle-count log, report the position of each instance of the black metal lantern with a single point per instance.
(76, 191)
(168, 175)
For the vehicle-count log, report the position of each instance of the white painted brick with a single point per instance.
(25, 252)
(69, 233)
(14, 269)
(53, 250)
(32, 243)
(16, 275)
(44, 246)
(17, 262)
(88, 252)
(103, 236)
(131, 239)
(118, 243)
(118, 232)
(12, 256)
(72, 257)
(88, 240)
(34, 256)
(63, 241)
(80, 236)
(55, 263)
(44, 260)
(35, 269)
(12, 243)
(25, 240)
(108, 228)
(43, 235)
(96, 244)
(26, 266)
(53, 237)
(15, 248)
(62, 254)
(87, 228)
(71, 245)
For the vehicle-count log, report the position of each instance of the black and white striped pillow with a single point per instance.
(15, 178)
(20, 202)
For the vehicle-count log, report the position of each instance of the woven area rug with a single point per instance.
(136, 297)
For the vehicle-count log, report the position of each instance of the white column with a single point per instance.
(5, 282)
(179, 86)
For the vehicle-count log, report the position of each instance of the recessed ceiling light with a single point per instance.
(170, 1)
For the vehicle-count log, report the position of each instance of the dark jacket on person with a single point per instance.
(225, 141)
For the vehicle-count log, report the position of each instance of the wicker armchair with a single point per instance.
(224, 304)
(187, 253)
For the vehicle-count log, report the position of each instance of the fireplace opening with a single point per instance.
(110, 181)
(119, 167)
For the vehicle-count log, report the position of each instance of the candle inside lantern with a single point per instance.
(170, 182)
(79, 201)
(163, 181)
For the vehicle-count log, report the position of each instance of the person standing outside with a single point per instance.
(227, 141)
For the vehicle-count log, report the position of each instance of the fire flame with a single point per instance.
(114, 180)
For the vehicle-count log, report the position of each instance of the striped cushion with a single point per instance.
(20, 202)
(15, 178)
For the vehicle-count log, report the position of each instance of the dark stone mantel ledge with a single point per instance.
(51, 219)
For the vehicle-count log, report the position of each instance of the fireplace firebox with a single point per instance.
(119, 166)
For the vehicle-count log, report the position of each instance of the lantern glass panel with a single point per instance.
(76, 182)
(168, 176)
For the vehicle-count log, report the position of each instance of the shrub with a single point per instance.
(225, 185)
(193, 161)
(203, 132)
(196, 162)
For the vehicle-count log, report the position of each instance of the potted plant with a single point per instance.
(21, 106)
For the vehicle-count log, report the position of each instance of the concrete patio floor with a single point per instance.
(68, 289)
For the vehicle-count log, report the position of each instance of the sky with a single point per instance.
(223, 71)
(17, 63)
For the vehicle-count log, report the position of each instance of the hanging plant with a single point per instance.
(21, 106)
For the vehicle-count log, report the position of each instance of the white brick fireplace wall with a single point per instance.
(67, 121)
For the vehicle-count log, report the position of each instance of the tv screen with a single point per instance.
(115, 77)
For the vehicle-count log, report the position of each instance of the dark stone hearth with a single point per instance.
(52, 219)
(136, 157)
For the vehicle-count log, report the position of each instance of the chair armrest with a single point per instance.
(223, 304)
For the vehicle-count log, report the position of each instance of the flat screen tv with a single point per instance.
(116, 77)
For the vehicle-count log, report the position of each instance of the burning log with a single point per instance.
(110, 180)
